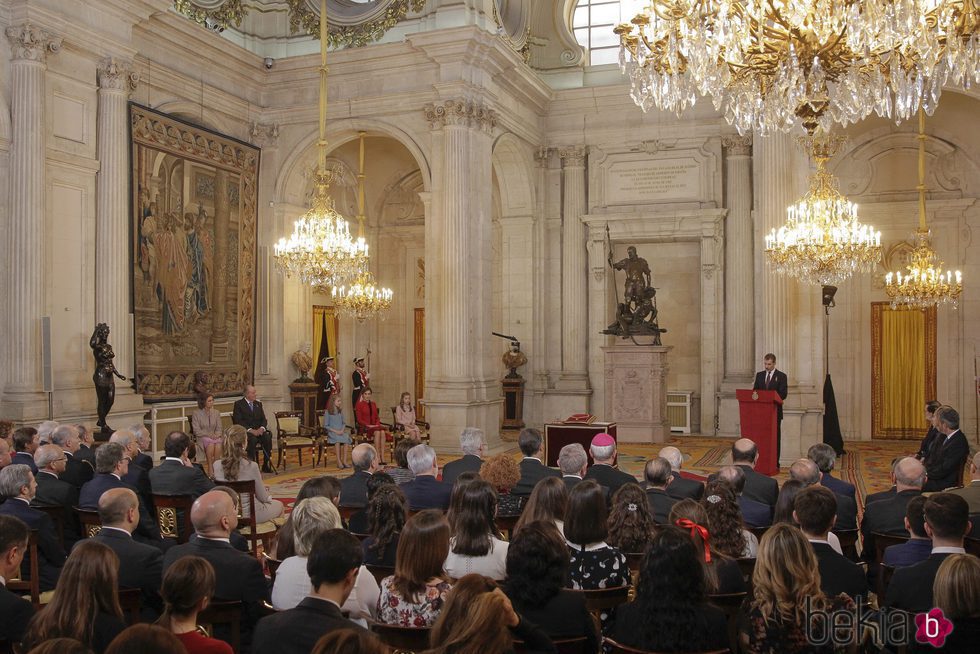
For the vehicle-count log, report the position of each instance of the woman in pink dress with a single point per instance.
(206, 423)
(405, 416)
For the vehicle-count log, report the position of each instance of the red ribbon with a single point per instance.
(684, 523)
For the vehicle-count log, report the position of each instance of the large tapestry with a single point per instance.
(194, 199)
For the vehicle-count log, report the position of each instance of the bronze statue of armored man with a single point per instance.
(636, 315)
(105, 385)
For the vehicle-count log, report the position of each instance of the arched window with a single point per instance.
(593, 22)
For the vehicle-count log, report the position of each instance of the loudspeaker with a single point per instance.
(46, 374)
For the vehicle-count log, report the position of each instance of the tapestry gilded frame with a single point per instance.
(194, 202)
(877, 382)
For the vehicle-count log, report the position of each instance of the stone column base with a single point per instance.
(728, 417)
(636, 392)
(25, 407)
(448, 419)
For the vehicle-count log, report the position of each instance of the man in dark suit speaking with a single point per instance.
(249, 414)
(771, 379)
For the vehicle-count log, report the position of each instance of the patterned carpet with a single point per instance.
(866, 463)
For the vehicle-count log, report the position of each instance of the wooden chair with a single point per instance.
(848, 542)
(91, 524)
(57, 515)
(32, 585)
(347, 511)
(174, 516)
(758, 531)
(604, 599)
(577, 645)
(884, 541)
(292, 434)
(252, 530)
(635, 561)
(731, 604)
(972, 546)
(885, 573)
(747, 566)
(380, 571)
(398, 432)
(413, 639)
(506, 524)
(131, 602)
(272, 565)
(226, 614)
(612, 647)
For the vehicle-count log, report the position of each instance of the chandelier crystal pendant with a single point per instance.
(320, 251)
(822, 241)
(362, 299)
(924, 284)
(766, 63)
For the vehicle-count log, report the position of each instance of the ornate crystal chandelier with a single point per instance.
(924, 284)
(768, 62)
(362, 299)
(320, 251)
(822, 241)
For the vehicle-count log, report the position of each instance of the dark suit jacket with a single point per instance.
(297, 630)
(886, 516)
(140, 565)
(681, 488)
(609, 477)
(880, 495)
(913, 551)
(52, 491)
(911, 587)
(86, 453)
(144, 461)
(249, 418)
(174, 478)
(77, 471)
(778, 383)
(839, 486)
(532, 471)
(51, 556)
(838, 574)
(759, 487)
(846, 512)
(930, 439)
(660, 505)
(238, 576)
(755, 514)
(138, 478)
(88, 498)
(427, 492)
(946, 463)
(453, 469)
(24, 458)
(353, 489)
(16, 614)
(562, 616)
(570, 481)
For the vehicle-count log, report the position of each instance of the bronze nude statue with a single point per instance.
(105, 385)
(636, 314)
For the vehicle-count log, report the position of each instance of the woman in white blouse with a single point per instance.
(476, 545)
(236, 466)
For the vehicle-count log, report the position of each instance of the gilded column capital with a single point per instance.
(264, 135)
(117, 75)
(573, 155)
(737, 145)
(466, 113)
(31, 43)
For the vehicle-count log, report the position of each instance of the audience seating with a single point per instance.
(885, 573)
(292, 434)
(412, 639)
(635, 561)
(758, 531)
(32, 585)
(347, 511)
(562, 646)
(884, 541)
(253, 531)
(397, 431)
(506, 524)
(91, 524)
(380, 571)
(223, 613)
(747, 566)
(272, 565)
(604, 599)
(731, 604)
(612, 647)
(57, 515)
(848, 542)
(972, 546)
(131, 602)
(174, 516)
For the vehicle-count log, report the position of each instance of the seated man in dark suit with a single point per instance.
(333, 565)
(425, 491)
(825, 457)
(111, 464)
(887, 516)
(807, 472)
(86, 445)
(680, 488)
(26, 442)
(15, 611)
(918, 547)
(657, 475)
(755, 514)
(17, 484)
(140, 565)
(76, 472)
(142, 459)
(603, 450)
(533, 469)
(758, 487)
(947, 520)
(815, 510)
(573, 463)
(473, 443)
(174, 476)
(945, 463)
(52, 491)
(353, 489)
(238, 576)
(248, 413)
(135, 476)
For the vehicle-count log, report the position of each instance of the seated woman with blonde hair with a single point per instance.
(405, 416)
(206, 425)
(236, 466)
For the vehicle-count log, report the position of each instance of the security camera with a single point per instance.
(268, 61)
(214, 25)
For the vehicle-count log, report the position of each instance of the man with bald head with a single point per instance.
(353, 489)
(140, 565)
(807, 472)
(887, 516)
(657, 475)
(758, 487)
(238, 576)
(680, 487)
(53, 491)
(76, 471)
(754, 514)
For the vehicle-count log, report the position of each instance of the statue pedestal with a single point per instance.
(636, 391)
(513, 417)
(303, 395)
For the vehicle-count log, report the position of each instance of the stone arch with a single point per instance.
(192, 113)
(514, 176)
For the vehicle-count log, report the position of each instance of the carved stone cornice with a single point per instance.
(460, 112)
(737, 145)
(542, 155)
(30, 43)
(264, 135)
(573, 155)
(117, 75)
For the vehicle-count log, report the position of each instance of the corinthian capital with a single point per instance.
(573, 155)
(460, 112)
(31, 43)
(117, 75)
(737, 145)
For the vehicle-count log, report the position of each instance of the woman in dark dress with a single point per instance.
(386, 515)
(722, 574)
(359, 520)
(671, 612)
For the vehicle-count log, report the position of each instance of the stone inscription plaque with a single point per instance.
(637, 182)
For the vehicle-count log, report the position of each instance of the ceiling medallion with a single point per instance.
(362, 25)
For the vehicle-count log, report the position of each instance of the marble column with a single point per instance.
(574, 273)
(112, 271)
(29, 48)
(739, 273)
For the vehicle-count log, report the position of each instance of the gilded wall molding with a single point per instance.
(303, 19)
(213, 14)
(465, 113)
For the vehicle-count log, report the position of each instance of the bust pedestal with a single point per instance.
(636, 391)
(513, 417)
(303, 396)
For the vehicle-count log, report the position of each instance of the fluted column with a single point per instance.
(574, 269)
(739, 273)
(25, 239)
(112, 272)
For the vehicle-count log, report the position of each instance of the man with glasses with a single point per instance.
(53, 491)
(76, 471)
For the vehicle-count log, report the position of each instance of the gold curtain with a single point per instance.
(904, 378)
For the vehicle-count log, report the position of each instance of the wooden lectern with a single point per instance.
(758, 420)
